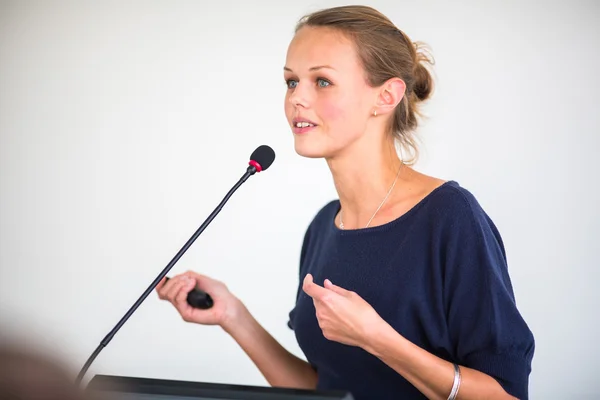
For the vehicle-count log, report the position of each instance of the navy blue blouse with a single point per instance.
(437, 274)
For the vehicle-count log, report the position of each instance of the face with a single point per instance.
(327, 93)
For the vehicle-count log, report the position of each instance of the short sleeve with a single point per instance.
(487, 330)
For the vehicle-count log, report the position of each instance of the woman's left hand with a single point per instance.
(343, 315)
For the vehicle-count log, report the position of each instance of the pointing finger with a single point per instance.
(312, 289)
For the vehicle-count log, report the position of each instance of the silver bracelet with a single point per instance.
(456, 385)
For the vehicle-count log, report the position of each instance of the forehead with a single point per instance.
(313, 46)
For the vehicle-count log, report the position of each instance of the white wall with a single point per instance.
(123, 124)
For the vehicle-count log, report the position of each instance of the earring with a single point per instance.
(375, 113)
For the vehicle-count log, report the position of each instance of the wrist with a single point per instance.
(234, 317)
(380, 338)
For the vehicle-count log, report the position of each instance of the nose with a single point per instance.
(299, 97)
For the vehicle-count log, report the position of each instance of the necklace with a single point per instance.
(380, 205)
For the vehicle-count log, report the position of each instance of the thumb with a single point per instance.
(335, 288)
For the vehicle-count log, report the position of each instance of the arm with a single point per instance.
(490, 339)
(347, 318)
(430, 374)
(279, 367)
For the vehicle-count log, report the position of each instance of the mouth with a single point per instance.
(302, 125)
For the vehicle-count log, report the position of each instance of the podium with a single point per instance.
(112, 387)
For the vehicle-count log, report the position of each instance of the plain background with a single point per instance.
(124, 123)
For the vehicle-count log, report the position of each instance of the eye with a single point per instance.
(323, 82)
(291, 84)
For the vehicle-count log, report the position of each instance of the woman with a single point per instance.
(421, 304)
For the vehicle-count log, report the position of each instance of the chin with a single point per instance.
(309, 149)
(309, 153)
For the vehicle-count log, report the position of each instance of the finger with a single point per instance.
(337, 289)
(194, 274)
(181, 299)
(184, 290)
(201, 280)
(174, 290)
(312, 289)
(161, 283)
(318, 306)
(165, 285)
(160, 286)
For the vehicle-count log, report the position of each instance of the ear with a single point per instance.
(389, 96)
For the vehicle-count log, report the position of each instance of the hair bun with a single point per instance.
(423, 83)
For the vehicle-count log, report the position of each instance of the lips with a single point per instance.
(302, 125)
(298, 120)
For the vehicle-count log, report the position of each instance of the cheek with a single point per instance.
(341, 115)
(332, 112)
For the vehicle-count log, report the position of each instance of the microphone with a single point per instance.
(260, 160)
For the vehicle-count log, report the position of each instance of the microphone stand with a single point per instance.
(251, 170)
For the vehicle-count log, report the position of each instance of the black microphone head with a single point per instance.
(262, 157)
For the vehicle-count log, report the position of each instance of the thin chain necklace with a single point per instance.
(380, 205)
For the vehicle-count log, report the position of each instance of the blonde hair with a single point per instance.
(385, 52)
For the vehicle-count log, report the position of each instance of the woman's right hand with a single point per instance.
(278, 366)
(176, 289)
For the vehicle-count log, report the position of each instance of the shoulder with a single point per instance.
(446, 198)
(467, 236)
(451, 198)
(457, 206)
(456, 216)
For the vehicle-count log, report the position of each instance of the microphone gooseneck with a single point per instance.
(260, 160)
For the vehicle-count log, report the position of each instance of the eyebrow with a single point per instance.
(312, 68)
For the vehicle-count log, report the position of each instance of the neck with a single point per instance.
(363, 179)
